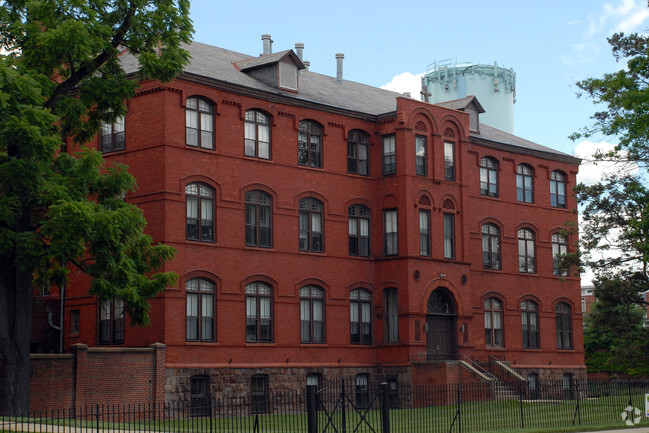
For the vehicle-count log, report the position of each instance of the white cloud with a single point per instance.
(632, 23)
(585, 52)
(405, 82)
(626, 16)
(592, 171)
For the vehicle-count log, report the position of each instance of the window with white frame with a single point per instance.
(199, 123)
(257, 134)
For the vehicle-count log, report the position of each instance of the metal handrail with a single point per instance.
(479, 368)
(510, 371)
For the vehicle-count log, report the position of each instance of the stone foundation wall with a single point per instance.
(553, 374)
(236, 382)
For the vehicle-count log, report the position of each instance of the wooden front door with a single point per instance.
(440, 326)
(440, 334)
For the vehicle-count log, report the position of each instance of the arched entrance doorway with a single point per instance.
(441, 342)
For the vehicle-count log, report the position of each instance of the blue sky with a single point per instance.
(550, 44)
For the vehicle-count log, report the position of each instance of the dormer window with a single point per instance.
(287, 76)
(278, 70)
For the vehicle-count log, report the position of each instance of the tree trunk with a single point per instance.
(15, 335)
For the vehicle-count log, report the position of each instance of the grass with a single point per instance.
(513, 416)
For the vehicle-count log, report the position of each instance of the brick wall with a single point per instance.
(90, 376)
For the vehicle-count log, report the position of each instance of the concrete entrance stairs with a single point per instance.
(505, 381)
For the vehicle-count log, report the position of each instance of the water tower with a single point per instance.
(494, 87)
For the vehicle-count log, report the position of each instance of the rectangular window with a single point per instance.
(389, 155)
(420, 145)
(111, 322)
(362, 391)
(449, 236)
(424, 232)
(449, 160)
(287, 76)
(75, 321)
(259, 394)
(391, 316)
(390, 232)
(200, 395)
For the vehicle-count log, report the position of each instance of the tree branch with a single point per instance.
(87, 69)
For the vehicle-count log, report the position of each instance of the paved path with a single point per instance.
(623, 430)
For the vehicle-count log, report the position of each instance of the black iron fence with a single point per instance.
(340, 407)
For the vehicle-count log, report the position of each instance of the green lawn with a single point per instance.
(500, 415)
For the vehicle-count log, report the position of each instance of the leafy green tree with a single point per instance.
(615, 227)
(62, 78)
(615, 338)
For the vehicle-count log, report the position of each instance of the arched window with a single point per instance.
(391, 300)
(259, 222)
(200, 299)
(360, 316)
(359, 230)
(526, 251)
(559, 248)
(310, 221)
(259, 313)
(563, 316)
(558, 189)
(309, 144)
(200, 212)
(358, 152)
(199, 123)
(312, 319)
(530, 324)
(493, 322)
(257, 134)
(489, 177)
(524, 184)
(491, 247)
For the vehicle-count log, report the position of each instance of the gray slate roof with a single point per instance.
(218, 64)
(502, 137)
(461, 104)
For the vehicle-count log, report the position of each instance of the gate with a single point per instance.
(364, 410)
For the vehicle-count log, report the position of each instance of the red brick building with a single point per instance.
(326, 228)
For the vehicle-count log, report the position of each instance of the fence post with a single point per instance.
(311, 408)
(385, 407)
(520, 399)
(459, 408)
(210, 408)
(578, 401)
(342, 405)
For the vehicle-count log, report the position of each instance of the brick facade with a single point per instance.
(163, 164)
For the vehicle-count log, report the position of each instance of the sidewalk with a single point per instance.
(644, 429)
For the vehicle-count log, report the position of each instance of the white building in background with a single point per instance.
(495, 88)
